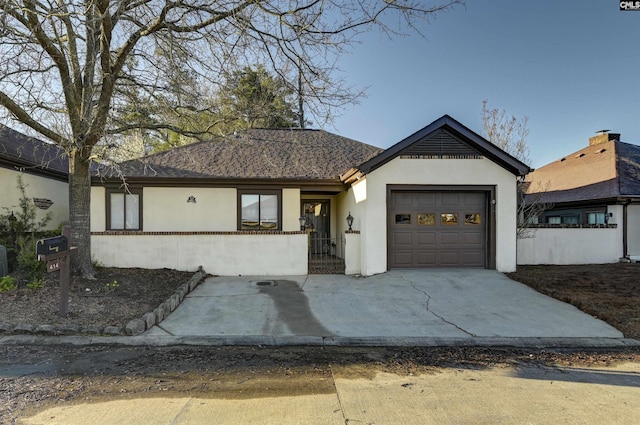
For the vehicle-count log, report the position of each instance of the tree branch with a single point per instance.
(24, 117)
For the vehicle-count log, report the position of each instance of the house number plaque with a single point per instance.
(53, 265)
(54, 252)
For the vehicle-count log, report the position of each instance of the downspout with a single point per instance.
(625, 230)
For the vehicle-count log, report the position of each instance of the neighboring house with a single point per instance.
(44, 170)
(267, 202)
(594, 195)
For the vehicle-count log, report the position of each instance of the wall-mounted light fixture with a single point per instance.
(349, 220)
(191, 199)
(303, 221)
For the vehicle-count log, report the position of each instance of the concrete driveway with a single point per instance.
(401, 307)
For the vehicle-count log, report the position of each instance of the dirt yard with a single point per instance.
(610, 292)
(113, 299)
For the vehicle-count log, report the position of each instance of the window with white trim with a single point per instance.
(124, 210)
(596, 218)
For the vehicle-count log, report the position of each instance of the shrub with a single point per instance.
(20, 229)
(7, 283)
(36, 284)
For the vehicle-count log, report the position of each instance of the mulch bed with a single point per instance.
(114, 298)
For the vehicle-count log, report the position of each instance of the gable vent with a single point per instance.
(441, 145)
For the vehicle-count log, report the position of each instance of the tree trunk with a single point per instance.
(79, 214)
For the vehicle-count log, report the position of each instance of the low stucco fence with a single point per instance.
(220, 253)
(586, 244)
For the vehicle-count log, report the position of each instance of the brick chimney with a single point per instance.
(603, 136)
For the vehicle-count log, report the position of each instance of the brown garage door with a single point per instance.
(437, 229)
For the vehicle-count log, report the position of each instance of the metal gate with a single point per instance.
(326, 255)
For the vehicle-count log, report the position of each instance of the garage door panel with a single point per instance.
(425, 258)
(450, 198)
(403, 238)
(471, 199)
(425, 239)
(449, 238)
(403, 259)
(422, 199)
(473, 239)
(450, 258)
(402, 199)
(473, 259)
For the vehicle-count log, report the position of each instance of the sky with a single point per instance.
(572, 67)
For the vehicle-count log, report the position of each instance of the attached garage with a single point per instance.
(442, 197)
(438, 228)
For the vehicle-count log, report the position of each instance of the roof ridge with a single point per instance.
(616, 153)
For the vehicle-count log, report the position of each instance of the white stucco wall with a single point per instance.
(372, 212)
(215, 210)
(36, 187)
(571, 246)
(223, 255)
(167, 209)
(290, 210)
(633, 235)
(347, 203)
(98, 209)
(352, 259)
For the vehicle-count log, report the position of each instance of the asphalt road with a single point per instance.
(340, 385)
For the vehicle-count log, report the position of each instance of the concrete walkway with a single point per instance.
(402, 307)
(512, 395)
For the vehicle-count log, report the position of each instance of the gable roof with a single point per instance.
(446, 137)
(290, 154)
(24, 153)
(602, 171)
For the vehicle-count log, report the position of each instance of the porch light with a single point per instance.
(349, 220)
(303, 221)
(191, 199)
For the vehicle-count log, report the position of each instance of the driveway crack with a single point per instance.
(333, 378)
(434, 313)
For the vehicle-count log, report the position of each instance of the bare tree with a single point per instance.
(510, 134)
(67, 65)
(507, 132)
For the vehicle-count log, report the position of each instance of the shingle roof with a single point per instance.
(298, 154)
(603, 171)
(27, 153)
(451, 129)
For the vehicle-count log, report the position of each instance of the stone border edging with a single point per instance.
(133, 327)
(537, 343)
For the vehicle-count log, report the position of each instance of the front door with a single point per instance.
(316, 213)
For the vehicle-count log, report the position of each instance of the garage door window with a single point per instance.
(403, 218)
(426, 219)
(449, 219)
(472, 219)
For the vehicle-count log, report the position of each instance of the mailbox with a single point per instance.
(52, 246)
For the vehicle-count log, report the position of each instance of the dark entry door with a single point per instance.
(437, 229)
(317, 224)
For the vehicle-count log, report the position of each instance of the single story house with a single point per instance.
(44, 170)
(268, 202)
(594, 205)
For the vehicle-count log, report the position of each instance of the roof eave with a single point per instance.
(31, 168)
(314, 185)
(484, 146)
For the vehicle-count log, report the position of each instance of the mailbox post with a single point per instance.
(55, 253)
